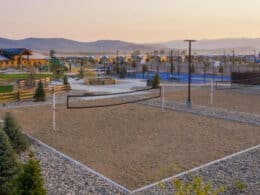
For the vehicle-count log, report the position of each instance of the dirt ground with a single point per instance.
(226, 99)
(133, 144)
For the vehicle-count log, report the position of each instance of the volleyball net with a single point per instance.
(102, 100)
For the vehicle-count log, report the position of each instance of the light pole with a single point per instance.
(189, 104)
(233, 62)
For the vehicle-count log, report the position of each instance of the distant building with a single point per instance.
(21, 58)
(257, 58)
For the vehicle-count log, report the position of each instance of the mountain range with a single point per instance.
(65, 45)
(217, 44)
(111, 46)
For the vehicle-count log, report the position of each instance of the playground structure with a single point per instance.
(100, 81)
(93, 78)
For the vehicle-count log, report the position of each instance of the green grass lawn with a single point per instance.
(6, 89)
(23, 76)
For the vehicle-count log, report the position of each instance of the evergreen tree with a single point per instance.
(39, 93)
(145, 69)
(81, 74)
(29, 180)
(30, 79)
(123, 72)
(108, 71)
(156, 81)
(18, 140)
(56, 68)
(65, 80)
(9, 165)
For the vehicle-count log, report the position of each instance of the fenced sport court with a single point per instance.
(133, 144)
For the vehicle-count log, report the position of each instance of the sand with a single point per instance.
(132, 144)
(226, 99)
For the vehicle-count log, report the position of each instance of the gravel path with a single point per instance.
(243, 168)
(240, 100)
(243, 117)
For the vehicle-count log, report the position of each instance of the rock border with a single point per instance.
(100, 180)
(95, 183)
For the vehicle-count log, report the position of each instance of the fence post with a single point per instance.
(162, 88)
(19, 95)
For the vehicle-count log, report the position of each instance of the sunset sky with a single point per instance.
(130, 20)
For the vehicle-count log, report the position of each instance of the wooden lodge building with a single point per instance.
(21, 58)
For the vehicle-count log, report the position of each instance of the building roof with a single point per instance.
(15, 51)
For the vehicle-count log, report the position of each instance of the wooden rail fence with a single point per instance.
(27, 94)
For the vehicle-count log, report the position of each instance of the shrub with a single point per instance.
(65, 80)
(221, 69)
(192, 69)
(39, 93)
(196, 186)
(117, 69)
(29, 180)
(156, 81)
(145, 69)
(81, 74)
(108, 71)
(18, 140)
(240, 185)
(123, 72)
(6, 89)
(9, 165)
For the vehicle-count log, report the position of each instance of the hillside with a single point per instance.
(217, 44)
(66, 45)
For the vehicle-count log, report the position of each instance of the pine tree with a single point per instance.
(29, 180)
(39, 93)
(18, 140)
(145, 69)
(65, 80)
(9, 165)
(123, 72)
(156, 81)
(81, 74)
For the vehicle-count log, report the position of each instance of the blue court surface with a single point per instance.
(182, 77)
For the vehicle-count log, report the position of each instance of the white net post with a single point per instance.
(53, 111)
(211, 92)
(163, 98)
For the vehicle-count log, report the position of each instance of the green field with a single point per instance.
(23, 76)
(6, 89)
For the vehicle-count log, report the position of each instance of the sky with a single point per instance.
(140, 21)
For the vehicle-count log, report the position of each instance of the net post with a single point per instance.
(162, 96)
(211, 91)
(53, 111)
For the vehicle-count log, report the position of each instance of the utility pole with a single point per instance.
(171, 63)
(117, 67)
(189, 104)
